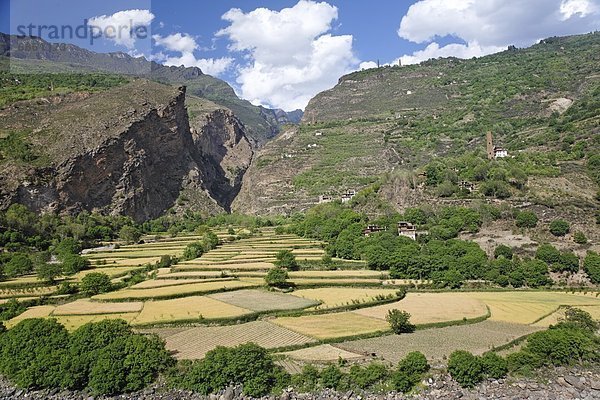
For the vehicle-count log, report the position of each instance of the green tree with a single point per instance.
(277, 277)
(504, 251)
(559, 227)
(130, 234)
(331, 377)
(465, 368)
(526, 219)
(399, 321)
(548, 254)
(286, 259)
(95, 283)
(31, 353)
(493, 365)
(19, 264)
(73, 263)
(48, 272)
(591, 266)
(410, 371)
(193, 251)
(209, 241)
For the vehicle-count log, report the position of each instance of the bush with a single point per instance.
(331, 377)
(286, 259)
(559, 227)
(399, 321)
(591, 266)
(410, 371)
(569, 262)
(31, 353)
(561, 346)
(579, 319)
(522, 362)
(307, 380)
(95, 283)
(11, 309)
(73, 263)
(130, 234)
(504, 251)
(277, 277)
(247, 364)
(526, 219)
(580, 238)
(209, 241)
(465, 368)
(364, 378)
(193, 251)
(19, 264)
(548, 254)
(48, 272)
(494, 366)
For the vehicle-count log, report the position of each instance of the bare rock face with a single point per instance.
(227, 152)
(128, 151)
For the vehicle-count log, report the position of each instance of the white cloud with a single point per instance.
(185, 45)
(367, 65)
(123, 27)
(487, 26)
(291, 54)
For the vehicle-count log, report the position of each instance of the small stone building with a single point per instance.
(407, 229)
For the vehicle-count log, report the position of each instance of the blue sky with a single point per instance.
(280, 53)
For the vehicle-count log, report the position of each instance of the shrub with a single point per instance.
(193, 251)
(331, 377)
(580, 238)
(410, 371)
(368, 376)
(569, 262)
(522, 362)
(559, 227)
(307, 380)
(494, 366)
(19, 264)
(209, 241)
(561, 346)
(247, 364)
(31, 353)
(73, 263)
(465, 368)
(399, 321)
(526, 219)
(128, 364)
(130, 234)
(504, 251)
(95, 283)
(286, 259)
(579, 319)
(48, 272)
(11, 309)
(591, 266)
(277, 277)
(548, 253)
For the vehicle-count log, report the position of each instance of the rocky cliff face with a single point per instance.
(227, 152)
(127, 151)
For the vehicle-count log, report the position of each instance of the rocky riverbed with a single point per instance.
(554, 384)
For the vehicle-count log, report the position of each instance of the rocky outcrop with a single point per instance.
(227, 152)
(129, 151)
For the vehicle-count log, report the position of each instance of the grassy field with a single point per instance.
(194, 343)
(330, 326)
(261, 300)
(87, 307)
(72, 322)
(426, 308)
(335, 297)
(173, 291)
(323, 353)
(32, 312)
(186, 308)
(528, 307)
(157, 283)
(438, 343)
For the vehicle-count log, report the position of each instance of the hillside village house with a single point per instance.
(407, 229)
(349, 195)
(494, 152)
(373, 229)
(324, 198)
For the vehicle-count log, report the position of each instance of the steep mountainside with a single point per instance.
(128, 150)
(36, 53)
(415, 134)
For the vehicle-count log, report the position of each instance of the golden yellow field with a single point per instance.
(336, 297)
(6, 293)
(256, 266)
(426, 308)
(162, 292)
(156, 283)
(323, 353)
(87, 307)
(526, 307)
(32, 312)
(186, 308)
(110, 271)
(336, 325)
(72, 322)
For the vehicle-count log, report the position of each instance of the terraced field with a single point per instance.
(260, 300)
(332, 297)
(194, 343)
(331, 326)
